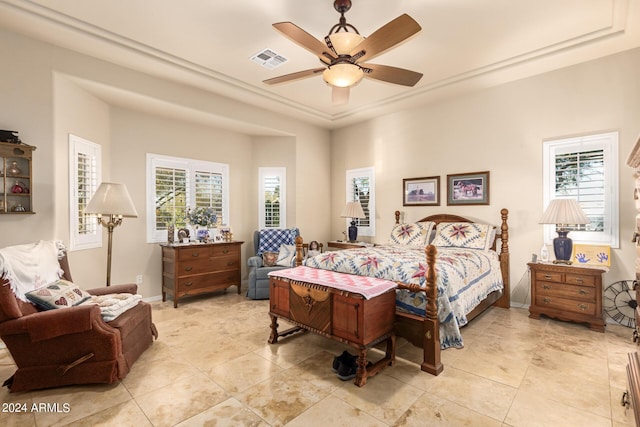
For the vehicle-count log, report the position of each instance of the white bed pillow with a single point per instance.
(468, 235)
(414, 234)
(287, 256)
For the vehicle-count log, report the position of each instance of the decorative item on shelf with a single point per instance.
(18, 208)
(183, 235)
(201, 218)
(18, 188)
(14, 169)
(354, 211)
(9, 136)
(112, 200)
(226, 234)
(171, 231)
(561, 213)
(544, 253)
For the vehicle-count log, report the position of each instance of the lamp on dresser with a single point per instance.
(113, 201)
(561, 213)
(354, 211)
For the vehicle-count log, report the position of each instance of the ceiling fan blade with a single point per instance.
(294, 76)
(394, 75)
(340, 95)
(387, 36)
(304, 39)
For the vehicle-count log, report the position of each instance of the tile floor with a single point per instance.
(212, 366)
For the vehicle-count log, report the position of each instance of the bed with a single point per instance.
(434, 299)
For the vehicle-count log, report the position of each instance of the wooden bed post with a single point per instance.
(505, 299)
(299, 251)
(431, 362)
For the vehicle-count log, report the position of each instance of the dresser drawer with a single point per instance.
(224, 262)
(580, 279)
(197, 253)
(581, 293)
(193, 266)
(207, 281)
(565, 304)
(224, 250)
(549, 276)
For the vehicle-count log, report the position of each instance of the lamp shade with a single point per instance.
(112, 199)
(343, 75)
(563, 212)
(353, 210)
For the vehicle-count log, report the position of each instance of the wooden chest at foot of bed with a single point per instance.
(345, 316)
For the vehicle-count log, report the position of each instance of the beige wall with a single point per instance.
(50, 92)
(500, 130)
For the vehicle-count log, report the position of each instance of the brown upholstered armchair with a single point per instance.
(71, 345)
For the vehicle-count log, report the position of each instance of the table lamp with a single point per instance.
(353, 210)
(563, 212)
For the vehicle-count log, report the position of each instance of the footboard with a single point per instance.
(421, 331)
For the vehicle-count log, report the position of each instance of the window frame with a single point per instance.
(281, 173)
(608, 143)
(191, 166)
(368, 172)
(92, 239)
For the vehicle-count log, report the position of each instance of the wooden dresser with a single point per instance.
(339, 315)
(199, 268)
(568, 293)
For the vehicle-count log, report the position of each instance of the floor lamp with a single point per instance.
(113, 202)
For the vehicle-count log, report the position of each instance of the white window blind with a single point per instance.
(361, 187)
(176, 184)
(272, 197)
(85, 158)
(586, 169)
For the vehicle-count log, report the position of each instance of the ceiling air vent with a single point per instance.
(268, 59)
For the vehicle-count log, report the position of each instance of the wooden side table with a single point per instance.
(569, 293)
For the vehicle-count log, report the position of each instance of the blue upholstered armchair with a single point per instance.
(258, 273)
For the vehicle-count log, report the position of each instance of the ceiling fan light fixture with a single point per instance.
(343, 75)
(345, 42)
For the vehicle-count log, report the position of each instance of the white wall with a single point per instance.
(500, 130)
(50, 92)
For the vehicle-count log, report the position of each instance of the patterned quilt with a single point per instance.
(464, 278)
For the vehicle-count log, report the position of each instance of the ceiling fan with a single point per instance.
(343, 53)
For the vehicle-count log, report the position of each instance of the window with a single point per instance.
(361, 187)
(272, 197)
(175, 184)
(585, 168)
(85, 159)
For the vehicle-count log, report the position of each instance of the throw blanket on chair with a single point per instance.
(113, 305)
(31, 266)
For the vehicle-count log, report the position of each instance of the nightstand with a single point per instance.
(343, 244)
(565, 292)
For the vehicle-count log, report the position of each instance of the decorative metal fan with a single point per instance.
(343, 53)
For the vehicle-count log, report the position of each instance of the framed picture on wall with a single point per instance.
(468, 189)
(421, 191)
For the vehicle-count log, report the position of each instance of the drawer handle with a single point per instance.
(583, 307)
(546, 300)
(624, 401)
(195, 254)
(188, 268)
(547, 276)
(583, 292)
(231, 263)
(578, 280)
(225, 251)
(546, 286)
(188, 283)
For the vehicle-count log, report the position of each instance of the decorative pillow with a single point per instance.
(287, 256)
(272, 238)
(59, 294)
(269, 259)
(416, 234)
(464, 235)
